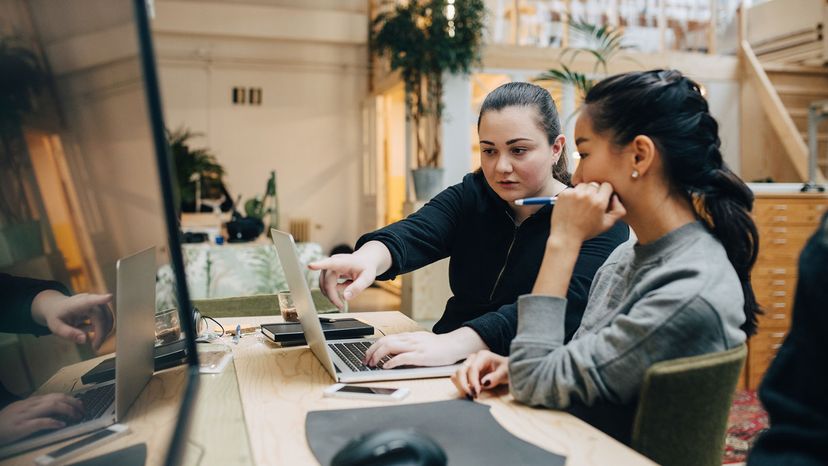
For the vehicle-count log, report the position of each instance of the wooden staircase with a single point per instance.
(798, 86)
(785, 60)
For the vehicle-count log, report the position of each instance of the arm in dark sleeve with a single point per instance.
(423, 237)
(498, 328)
(17, 294)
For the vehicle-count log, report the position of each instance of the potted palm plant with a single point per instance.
(424, 39)
(195, 168)
(601, 42)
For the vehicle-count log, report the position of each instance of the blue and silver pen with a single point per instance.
(537, 200)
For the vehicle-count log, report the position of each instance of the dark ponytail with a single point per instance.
(521, 94)
(670, 109)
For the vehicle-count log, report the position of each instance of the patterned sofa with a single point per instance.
(232, 270)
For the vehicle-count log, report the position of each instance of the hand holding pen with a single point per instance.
(537, 200)
(542, 200)
(585, 211)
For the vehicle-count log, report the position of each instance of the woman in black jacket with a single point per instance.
(495, 246)
(795, 388)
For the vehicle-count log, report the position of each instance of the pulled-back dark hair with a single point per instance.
(670, 109)
(520, 94)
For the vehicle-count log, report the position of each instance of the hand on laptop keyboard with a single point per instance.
(36, 413)
(422, 349)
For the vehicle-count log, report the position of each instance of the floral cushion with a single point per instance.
(232, 270)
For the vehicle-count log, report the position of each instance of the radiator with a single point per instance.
(300, 229)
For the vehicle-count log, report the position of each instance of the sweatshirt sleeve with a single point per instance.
(423, 237)
(608, 365)
(498, 328)
(17, 295)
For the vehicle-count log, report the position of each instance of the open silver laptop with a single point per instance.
(341, 358)
(107, 403)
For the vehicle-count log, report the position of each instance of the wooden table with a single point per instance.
(278, 386)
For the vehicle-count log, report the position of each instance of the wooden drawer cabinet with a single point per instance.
(760, 356)
(785, 222)
(778, 210)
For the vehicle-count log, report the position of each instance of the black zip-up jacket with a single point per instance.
(795, 388)
(16, 296)
(493, 261)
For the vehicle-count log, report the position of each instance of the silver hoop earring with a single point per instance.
(635, 173)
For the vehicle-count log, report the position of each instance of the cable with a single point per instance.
(216, 322)
(197, 314)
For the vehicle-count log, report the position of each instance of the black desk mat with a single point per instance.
(466, 430)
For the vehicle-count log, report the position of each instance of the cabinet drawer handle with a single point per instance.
(776, 346)
(778, 282)
(778, 293)
(779, 230)
(780, 207)
(778, 334)
(780, 218)
(778, 305)
(778, 316)
(779, 241)
(778, 271)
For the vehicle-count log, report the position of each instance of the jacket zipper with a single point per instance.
(506, 261)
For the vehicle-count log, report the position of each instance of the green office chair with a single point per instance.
(683, 408)
(256, 305)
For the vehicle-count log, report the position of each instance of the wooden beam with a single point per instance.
(261, 22)
(533, 59)
(614, 14)
(825, 34)
(777, 114)
(712, 28)
(769, 20)
(386, 81)
(565, 20)
(741, 17)
(662, 26)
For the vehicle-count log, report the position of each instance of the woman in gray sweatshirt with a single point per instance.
(649, 155)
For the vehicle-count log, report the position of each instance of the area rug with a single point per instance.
(746, 421)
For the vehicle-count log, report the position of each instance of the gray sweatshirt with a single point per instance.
(677, 296)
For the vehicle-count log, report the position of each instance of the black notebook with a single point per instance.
(166, 355)
(291, 333)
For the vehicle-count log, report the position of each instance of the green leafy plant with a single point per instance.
(256, 207)
(21, 81)
(191, 162)
(601, 42)
(424, 39)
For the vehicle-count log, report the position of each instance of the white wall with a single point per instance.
(311, 61)
(723, 98)
(457, 119)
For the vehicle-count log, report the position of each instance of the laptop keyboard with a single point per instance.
(96, 401)
(353, 353)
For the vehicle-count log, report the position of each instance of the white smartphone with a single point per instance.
(61, 455)
(366, 393)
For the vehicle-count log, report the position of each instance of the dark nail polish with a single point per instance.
(469, 397)
(486, 383)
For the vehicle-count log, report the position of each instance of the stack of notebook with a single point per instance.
(290, 333)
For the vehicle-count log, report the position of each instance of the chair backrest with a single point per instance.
(683, 408)
(256, 305)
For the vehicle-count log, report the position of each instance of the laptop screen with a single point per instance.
(85, 179)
